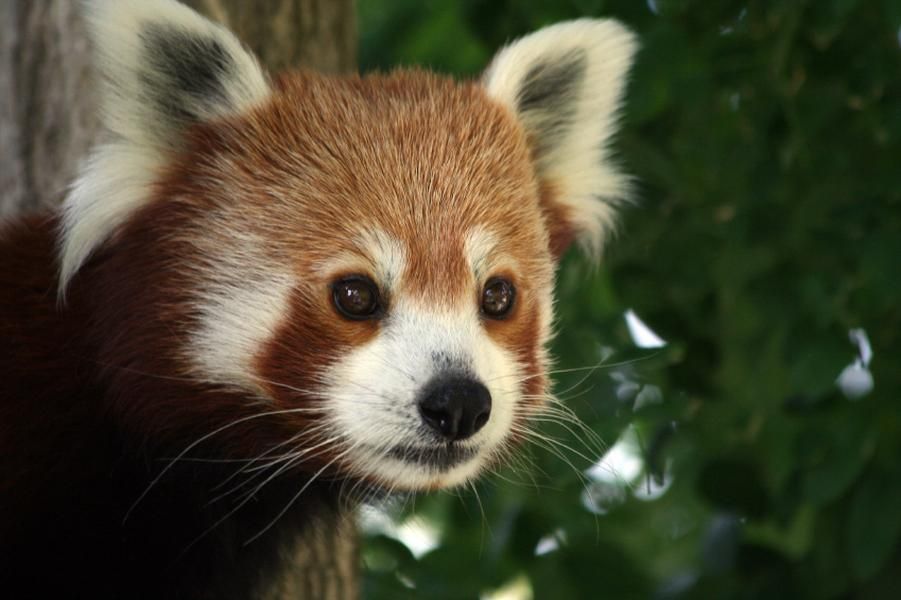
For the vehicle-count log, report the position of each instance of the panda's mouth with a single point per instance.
(439, 457)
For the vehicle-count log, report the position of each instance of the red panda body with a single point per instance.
(263, 300)
(72, 469)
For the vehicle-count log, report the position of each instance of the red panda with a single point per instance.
(295, 284)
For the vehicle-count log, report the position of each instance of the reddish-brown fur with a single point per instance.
(324, 160)
(413, 154)
(106, 376)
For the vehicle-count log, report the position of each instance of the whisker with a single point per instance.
(563, 412)
(295, 497)
(556, 448)
(593, 443)
(231, 512)
(294, 460)
(591, 368)
(260, 470)
(199, 441)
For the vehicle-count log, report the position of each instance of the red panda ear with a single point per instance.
(565, 84)
(163, 67)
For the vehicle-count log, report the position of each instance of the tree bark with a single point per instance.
(48, 120)
(48, 101)
(287, 34)
(327, 561)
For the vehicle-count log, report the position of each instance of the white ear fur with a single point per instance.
(162, 67)
(565, 83)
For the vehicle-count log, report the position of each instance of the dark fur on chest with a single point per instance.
(74, 541)
(71, 475)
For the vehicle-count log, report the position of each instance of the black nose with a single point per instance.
(455, 407)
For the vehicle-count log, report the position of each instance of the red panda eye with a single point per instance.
(497, 298)
(356, 297)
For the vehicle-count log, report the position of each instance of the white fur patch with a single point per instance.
(373, 392)
(386, 253)
(574, 158)
(376, 252)
(118, 31)
(115, 181)
(480, 247)
(243, 300)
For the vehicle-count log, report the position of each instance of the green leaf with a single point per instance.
(874, 523)
(733, 486)
(836, 460)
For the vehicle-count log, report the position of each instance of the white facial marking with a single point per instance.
(243, 300)
(480, 245)
(387, 255)
(374, 392)
(376, 251)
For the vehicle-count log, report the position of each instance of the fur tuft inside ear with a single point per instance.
(565, 84)
(163, 67)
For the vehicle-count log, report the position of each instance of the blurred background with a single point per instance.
(735, 360)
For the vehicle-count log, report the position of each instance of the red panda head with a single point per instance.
(367, 261)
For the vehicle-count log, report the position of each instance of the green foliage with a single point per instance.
(766, 140)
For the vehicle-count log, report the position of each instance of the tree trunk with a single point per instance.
(286, 34)
(48, 121)
(48, 101)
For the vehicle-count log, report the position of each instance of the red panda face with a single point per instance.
(371, 259)
(387, 268)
